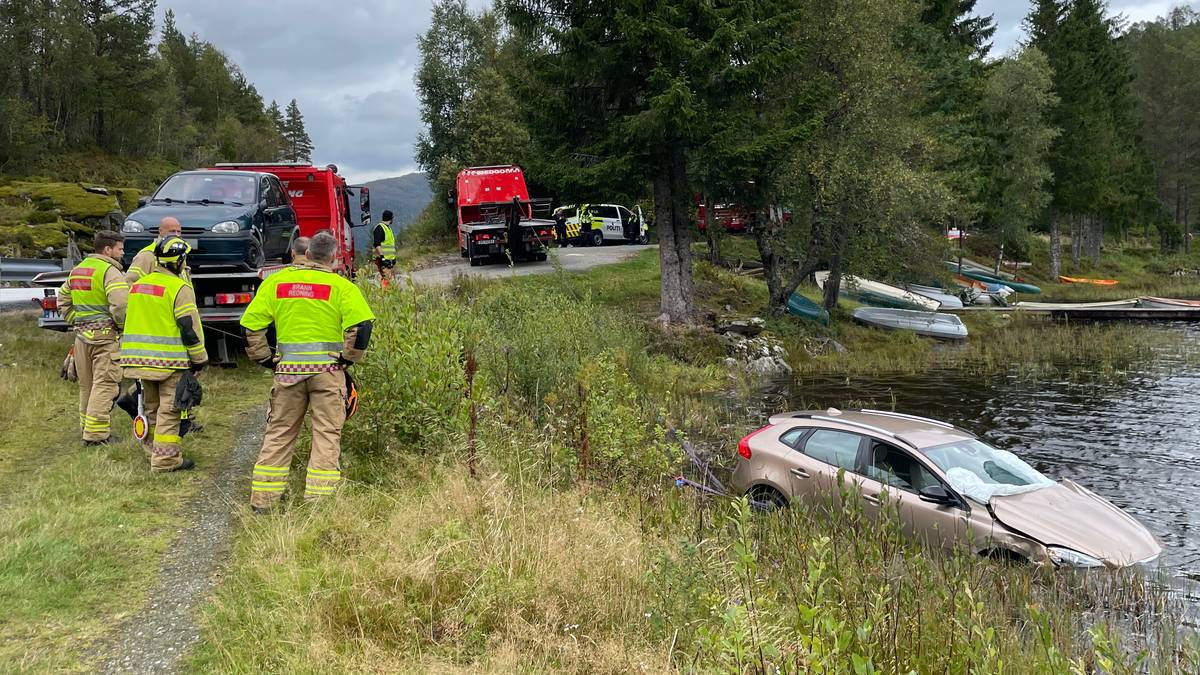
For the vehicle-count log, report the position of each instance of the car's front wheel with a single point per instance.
(255, 257)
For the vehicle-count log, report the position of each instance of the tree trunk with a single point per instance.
(674, 239)
(710, 232)
(833, 285)
(1096, 240)
(1187, 225)
(1075, 242)
(1055, 248)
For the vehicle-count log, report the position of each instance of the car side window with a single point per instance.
(607, 212)
(894, 467)
(793, 437)
(836, 448)
(277, 197)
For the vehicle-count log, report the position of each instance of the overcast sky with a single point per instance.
(350, 65)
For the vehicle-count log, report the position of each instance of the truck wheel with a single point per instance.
(541, 257)
(595, 238)
(462, 252)
(475, 262)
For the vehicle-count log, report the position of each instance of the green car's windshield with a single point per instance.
(210, 187)
(981, 472)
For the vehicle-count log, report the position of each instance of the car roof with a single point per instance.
(912, 430)
(223, 172)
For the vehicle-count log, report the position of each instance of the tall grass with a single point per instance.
(566, 555)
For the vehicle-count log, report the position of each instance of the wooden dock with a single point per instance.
(1095, 313)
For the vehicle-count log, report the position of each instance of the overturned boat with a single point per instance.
(929, 324)
(880, 295)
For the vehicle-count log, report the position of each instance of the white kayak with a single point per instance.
(946, 300)
(930, 324)
(1112, 304)
(874, 293)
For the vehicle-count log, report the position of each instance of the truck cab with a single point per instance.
(232, 219)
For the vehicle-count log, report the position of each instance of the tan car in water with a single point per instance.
(952, 489)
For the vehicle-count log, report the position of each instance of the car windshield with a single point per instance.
(210, 187)
(981, 472)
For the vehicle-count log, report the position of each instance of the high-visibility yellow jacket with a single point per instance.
(162, 327)
(144, 263)
(93, 299)
(312, 309)
(387, 249)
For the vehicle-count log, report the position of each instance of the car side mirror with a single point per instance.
(936, 494)
(142, 201)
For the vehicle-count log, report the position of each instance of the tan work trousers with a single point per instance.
(99, 385)
(325, 395)
(163, 450)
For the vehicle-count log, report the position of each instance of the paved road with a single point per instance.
(572, 259)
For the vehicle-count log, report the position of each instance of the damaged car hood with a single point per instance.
(1068, 515)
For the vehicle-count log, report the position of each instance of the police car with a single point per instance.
(604, 223)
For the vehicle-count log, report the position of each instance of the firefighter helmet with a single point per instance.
(171, 249)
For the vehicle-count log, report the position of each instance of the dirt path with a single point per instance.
(572, 259)
(156, 638)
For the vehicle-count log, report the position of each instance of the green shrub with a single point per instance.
(412, 379)
(42, 217)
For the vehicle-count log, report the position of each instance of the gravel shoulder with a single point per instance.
(572, 260)
(155, 639)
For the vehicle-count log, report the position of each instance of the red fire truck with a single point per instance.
(496, 216)
(321, 201)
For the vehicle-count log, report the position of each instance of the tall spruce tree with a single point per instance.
(299, 145)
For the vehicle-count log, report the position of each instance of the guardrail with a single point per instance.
(23, 270)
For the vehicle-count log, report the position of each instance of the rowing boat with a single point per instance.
(1105, 305)
(929, 324)
(1094, 282)
(798, 305)
(947, 300)
(1167, 303)
(880, 295)
(989, 279)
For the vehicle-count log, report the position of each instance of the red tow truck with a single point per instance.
(320, 198)
(496, 216)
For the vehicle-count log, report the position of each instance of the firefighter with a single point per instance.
(385, 248)
(322, 324)
(300, 250)
(93, 301)
(163, 339)
(143, 263)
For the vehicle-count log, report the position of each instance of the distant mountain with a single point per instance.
(406, 196)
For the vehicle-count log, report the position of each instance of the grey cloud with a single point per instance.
(1010, 15)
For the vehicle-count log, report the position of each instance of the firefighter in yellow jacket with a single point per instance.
(163, 339)
(93, 301)
(322, 324)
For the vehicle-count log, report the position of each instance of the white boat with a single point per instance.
(874, 293)
(1167, 303)
(930, 324)
(1112, 304)
(973, 266)
(946, 300)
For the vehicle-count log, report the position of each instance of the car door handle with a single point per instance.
(871, 499)
(799, 473)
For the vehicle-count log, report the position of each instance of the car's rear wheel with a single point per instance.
(596, 238)
(765, 494)
(255, 257)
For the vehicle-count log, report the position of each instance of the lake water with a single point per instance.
(1134, 439)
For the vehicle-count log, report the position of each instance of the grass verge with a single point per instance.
(84, 529)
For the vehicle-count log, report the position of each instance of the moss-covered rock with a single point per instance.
(128, 198)
(70, 200)
(32, 240)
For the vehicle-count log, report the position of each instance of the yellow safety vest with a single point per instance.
(388, 247)
(89, 298)
(311, 309)
(152, 338)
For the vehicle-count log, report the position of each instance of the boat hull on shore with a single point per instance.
(1167, 303)
(879, 295)
(929, 324)
(800, 306)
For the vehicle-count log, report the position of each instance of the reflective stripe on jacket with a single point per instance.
(388, 247)
(152, 338)
(89, 298)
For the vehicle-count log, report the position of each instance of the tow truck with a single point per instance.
(321, 200)
(496, 215)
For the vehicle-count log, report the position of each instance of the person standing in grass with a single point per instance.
(163, 340)
(143, 263)
(322, 325)
(93, 301)
(384, 241)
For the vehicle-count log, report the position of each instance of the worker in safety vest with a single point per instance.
(143, 263)
(299, 250)
(322, 324)
(163, 339)
(93, 301)
(585, 222)
(385, 248)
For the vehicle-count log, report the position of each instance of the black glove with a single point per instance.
(344, 362)
(268, 363)
(197, 367)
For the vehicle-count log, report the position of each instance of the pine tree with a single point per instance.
(299, 145)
